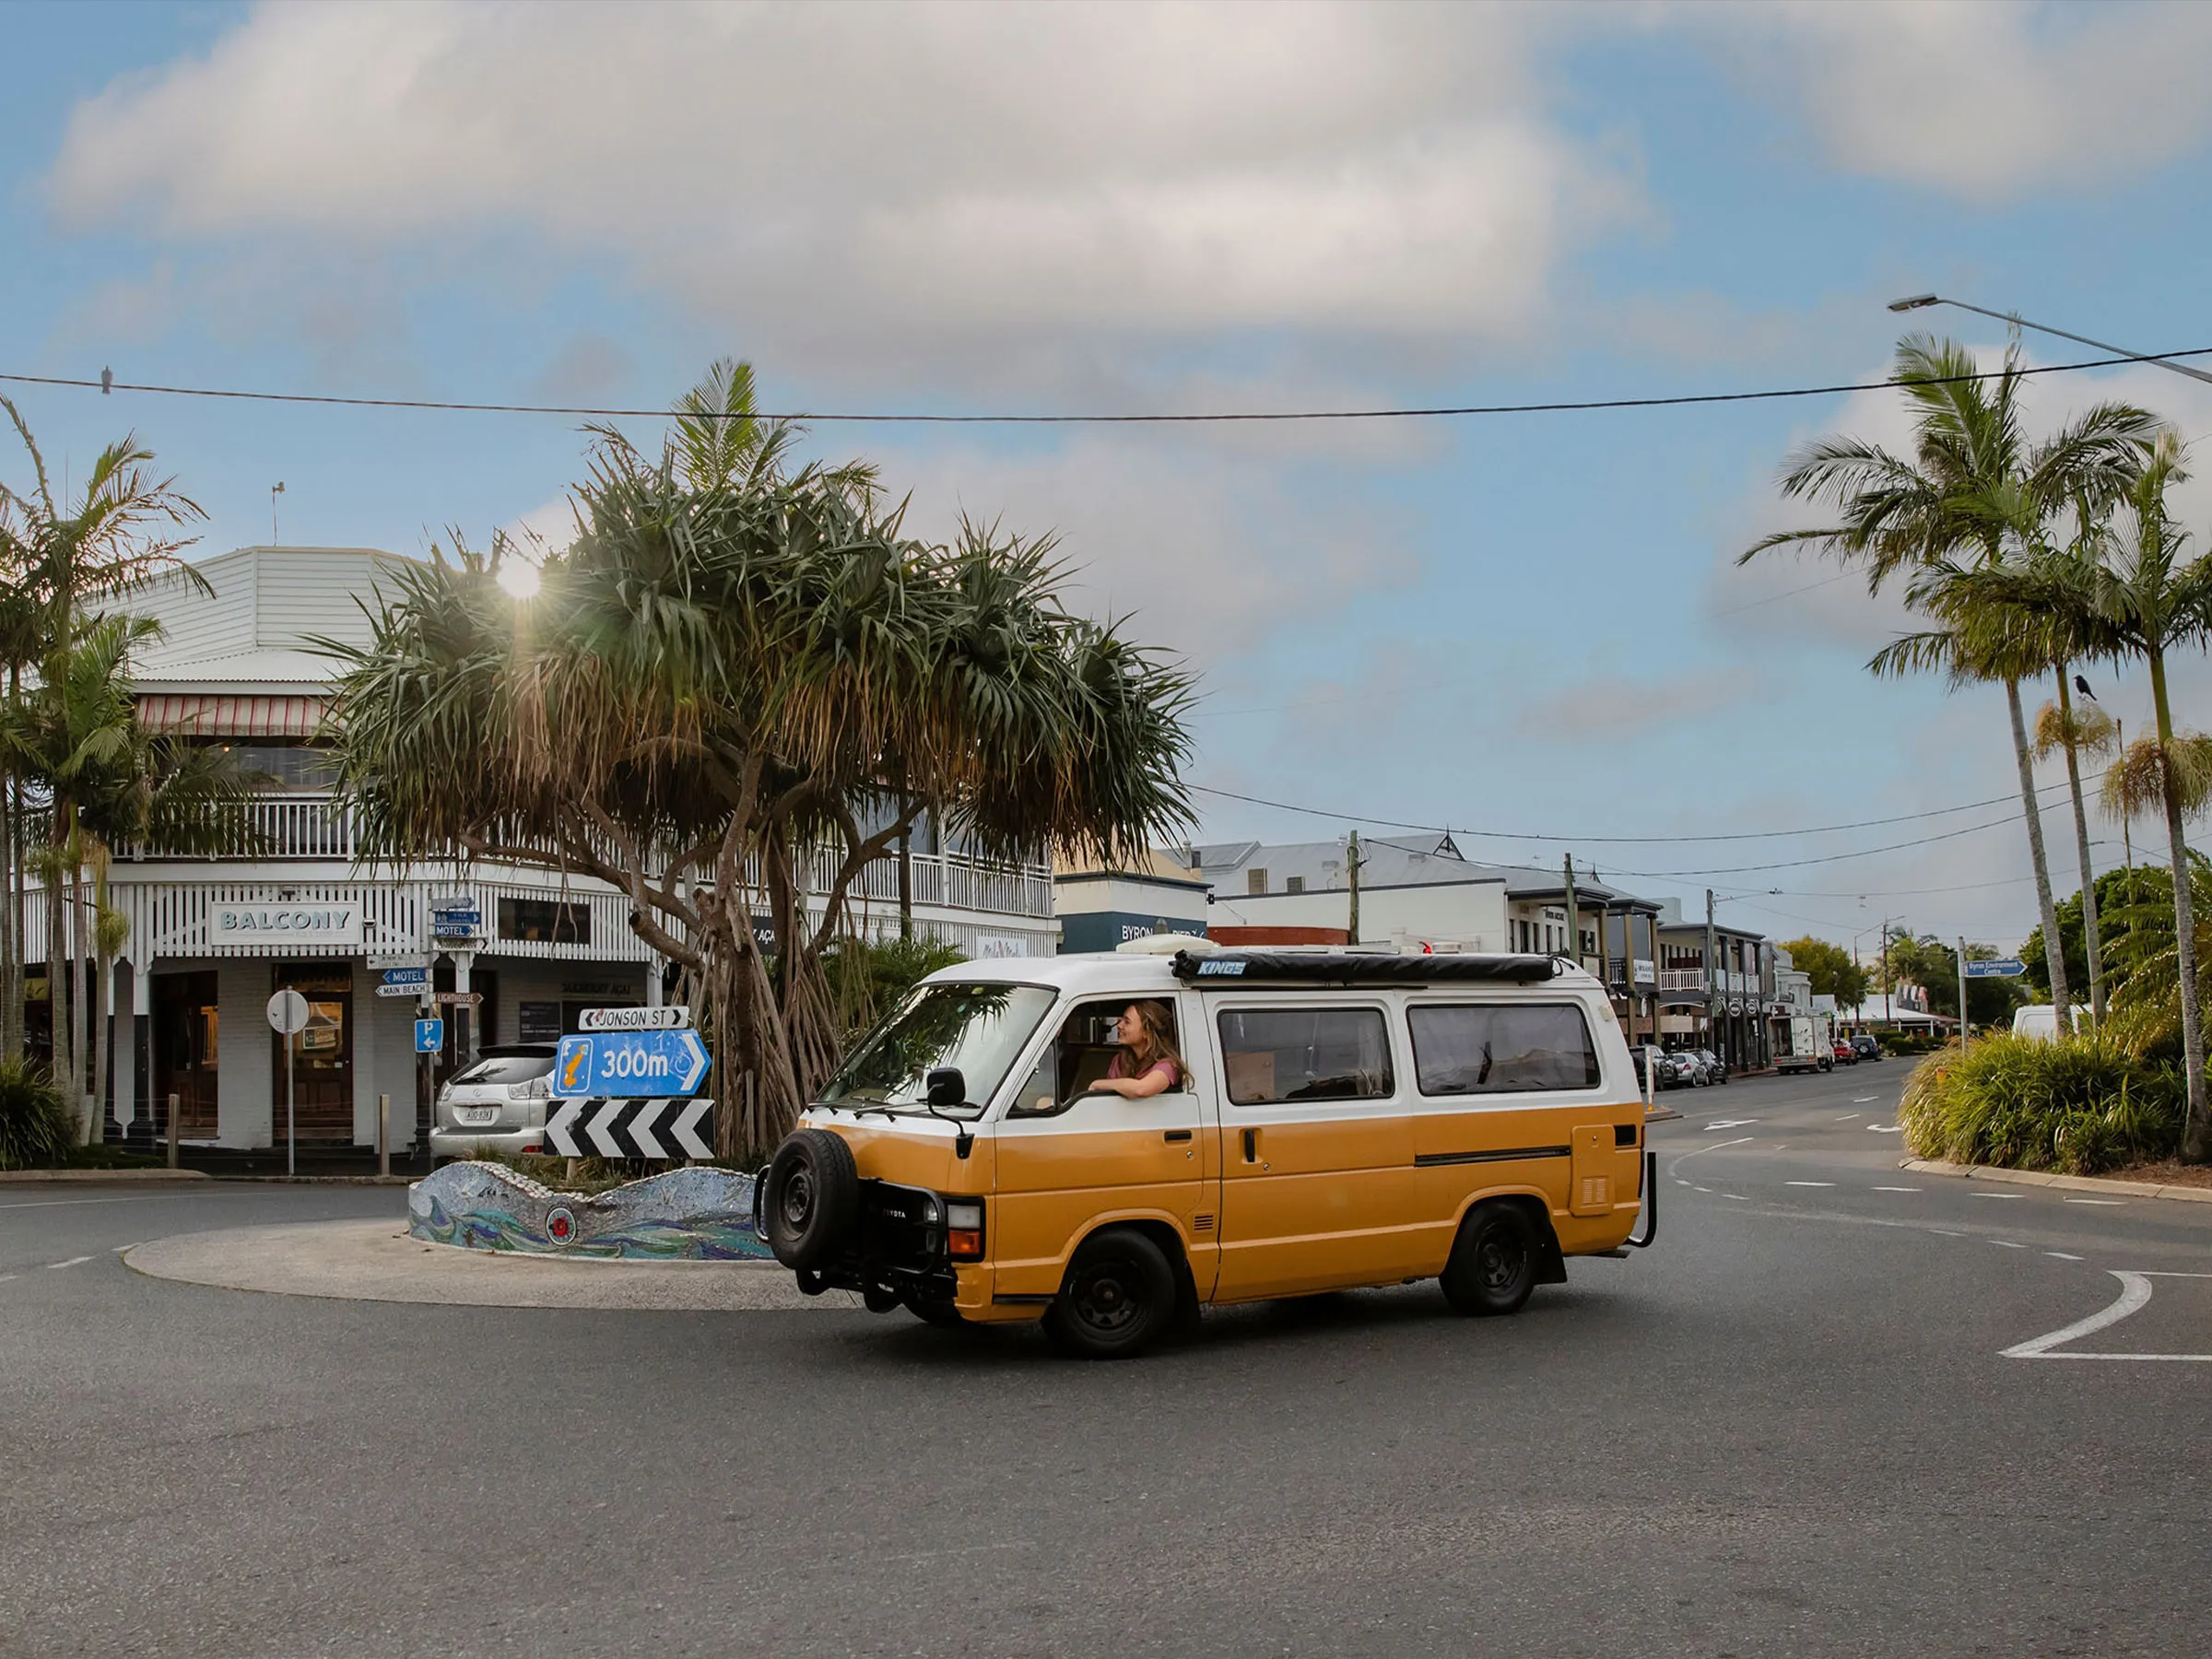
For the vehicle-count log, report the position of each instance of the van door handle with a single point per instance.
(1252, 1145)
(1178, 1134)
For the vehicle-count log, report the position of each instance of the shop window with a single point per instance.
(545, 921)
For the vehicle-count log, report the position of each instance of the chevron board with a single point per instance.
(655, 1127)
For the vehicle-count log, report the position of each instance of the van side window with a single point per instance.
(1079, 1055)
(1502, 1048)
(1305, 1055)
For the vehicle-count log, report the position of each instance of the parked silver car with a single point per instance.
(497, 1104)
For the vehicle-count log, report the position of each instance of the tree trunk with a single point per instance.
(102, 970)
(12, 942)
(2081, 845)
(78, 1041)
(2055, 955)
(2197, 1128)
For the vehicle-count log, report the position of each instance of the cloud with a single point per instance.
(1984, 103)
(1610, 707)
(1147, 172)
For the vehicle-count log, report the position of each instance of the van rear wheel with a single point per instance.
(1118, 1299)
(1493, 1265)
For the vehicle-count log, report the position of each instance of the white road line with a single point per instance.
(72, 1261)
(1737, 1197)
(1828, 1183)
(1675, 1168)
(6, 1276)
(1847, 1117)
(1704, 1189)
(1945, 1233)
(1897, 1189)
(119, 1249)
(1679, 1181)
(1996, 1194)
(1863, 1100)
(2114, 1203)
(2007, 1244)
(2135, 1294)
(2062, 1255)
(66, 1203)
(1884, 1129)
(1726, 1124)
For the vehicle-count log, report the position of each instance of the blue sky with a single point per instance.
(1530, 626)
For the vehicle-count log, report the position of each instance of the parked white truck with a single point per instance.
(1812, 1044)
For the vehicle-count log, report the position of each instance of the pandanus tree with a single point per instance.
(2141, 598)
(1975, 490)
(740, 683)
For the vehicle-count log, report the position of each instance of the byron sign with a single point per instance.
(303, 925)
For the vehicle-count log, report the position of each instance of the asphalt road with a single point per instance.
(1789, 1429)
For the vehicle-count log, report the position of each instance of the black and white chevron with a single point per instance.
(660, 1127)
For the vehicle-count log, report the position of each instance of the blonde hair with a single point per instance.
(1157, 1020)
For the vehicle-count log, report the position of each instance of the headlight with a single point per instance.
(964, 1230)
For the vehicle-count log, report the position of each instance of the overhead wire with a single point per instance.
(106, 382)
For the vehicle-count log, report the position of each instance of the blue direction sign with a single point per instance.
(429, 1036)
(630, 1064)
(2009, 968)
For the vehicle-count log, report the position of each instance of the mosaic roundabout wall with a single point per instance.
(692, 1214)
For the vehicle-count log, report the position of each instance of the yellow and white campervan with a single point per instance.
(1345, 1118)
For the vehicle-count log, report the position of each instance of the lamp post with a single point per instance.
(2013, 319)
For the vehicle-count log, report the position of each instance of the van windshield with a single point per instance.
(980, 1028)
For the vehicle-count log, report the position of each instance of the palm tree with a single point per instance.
(1975, 488)
(55, 558)
(2060, 728)
(741, 684)
(2140, 598)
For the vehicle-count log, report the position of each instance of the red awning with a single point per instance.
(201, 715)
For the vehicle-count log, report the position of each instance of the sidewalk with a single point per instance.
(2043, 1178)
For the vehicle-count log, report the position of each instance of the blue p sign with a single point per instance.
(429, 1036)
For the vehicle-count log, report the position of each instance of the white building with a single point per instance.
(212, 938)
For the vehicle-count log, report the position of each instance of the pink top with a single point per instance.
(1118, 1067)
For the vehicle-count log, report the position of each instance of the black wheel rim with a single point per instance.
(797, 1200)
(1107, 1299)
(1497, 1263)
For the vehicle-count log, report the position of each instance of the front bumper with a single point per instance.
(897, 1251)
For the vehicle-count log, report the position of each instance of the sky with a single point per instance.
(1530, 629)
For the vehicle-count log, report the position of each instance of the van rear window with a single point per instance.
(1305, 1055)
(1503, 1049)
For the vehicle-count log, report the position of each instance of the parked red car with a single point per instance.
(1845, 1054)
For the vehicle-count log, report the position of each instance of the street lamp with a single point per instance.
(1917, 301)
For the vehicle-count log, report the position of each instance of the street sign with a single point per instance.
(634, 1019)
(457, 917)
(287, 1012)
(402, 990)
(412, 975)
(458, 999)
(2009, 968)
(631, 1127)
(377, 964)
(429, 1036)
(635, 1063)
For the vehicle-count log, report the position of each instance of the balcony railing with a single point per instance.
(1682, 979)
(291, 826)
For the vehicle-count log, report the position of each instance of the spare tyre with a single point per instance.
(811, 1199)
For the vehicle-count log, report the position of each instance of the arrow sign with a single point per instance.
(653, 1126)
(666, 1018)
(630, 1063)
(2010, 968)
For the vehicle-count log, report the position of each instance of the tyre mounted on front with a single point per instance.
(810, 1200)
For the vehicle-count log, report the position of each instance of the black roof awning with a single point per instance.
(1290, 969)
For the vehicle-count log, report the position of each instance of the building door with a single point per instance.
(322, 1056)
(185, 1049)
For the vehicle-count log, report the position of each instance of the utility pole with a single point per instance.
(1575, 942)
(1962, 993)
(1352, 862)
(1887, 1017)
(1712, 1001)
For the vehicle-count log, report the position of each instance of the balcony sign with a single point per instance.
(303, 925)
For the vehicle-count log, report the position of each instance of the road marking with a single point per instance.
(1808, 1183)
(2062, 1255)
(2135, 1295)
(1897, 1189)
(1675, 1168)
(2114, 1203)
(1737, 1197)
(72, 1261)
(1946, 1232)
(119, 1249)
(1863, 1100)
(1884, 1129)
(6, 1276)
(1996, 1194)
(2007, 1244)
(1679, 1181)
(66, 1202)
(1847, 1117)
(1727, 1123)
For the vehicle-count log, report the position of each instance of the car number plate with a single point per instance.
(476, 1117)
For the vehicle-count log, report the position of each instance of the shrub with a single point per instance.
(2081, 1106)
(36, 1127)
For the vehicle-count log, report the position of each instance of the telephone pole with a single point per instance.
(1352, 862)
(1574, 942)
(1962, 995)
(1713, 983)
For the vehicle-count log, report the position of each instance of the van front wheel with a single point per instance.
(1118, 1299)
(1493, 1265)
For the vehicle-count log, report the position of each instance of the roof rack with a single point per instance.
(1346, 968)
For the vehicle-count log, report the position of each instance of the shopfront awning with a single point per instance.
(197, 715)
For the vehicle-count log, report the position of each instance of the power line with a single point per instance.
(107, 384)
(1798, 863)
(1594, 841)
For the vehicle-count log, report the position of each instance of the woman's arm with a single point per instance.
(1157, 1079)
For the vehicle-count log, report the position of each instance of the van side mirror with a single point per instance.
(947, 1086)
